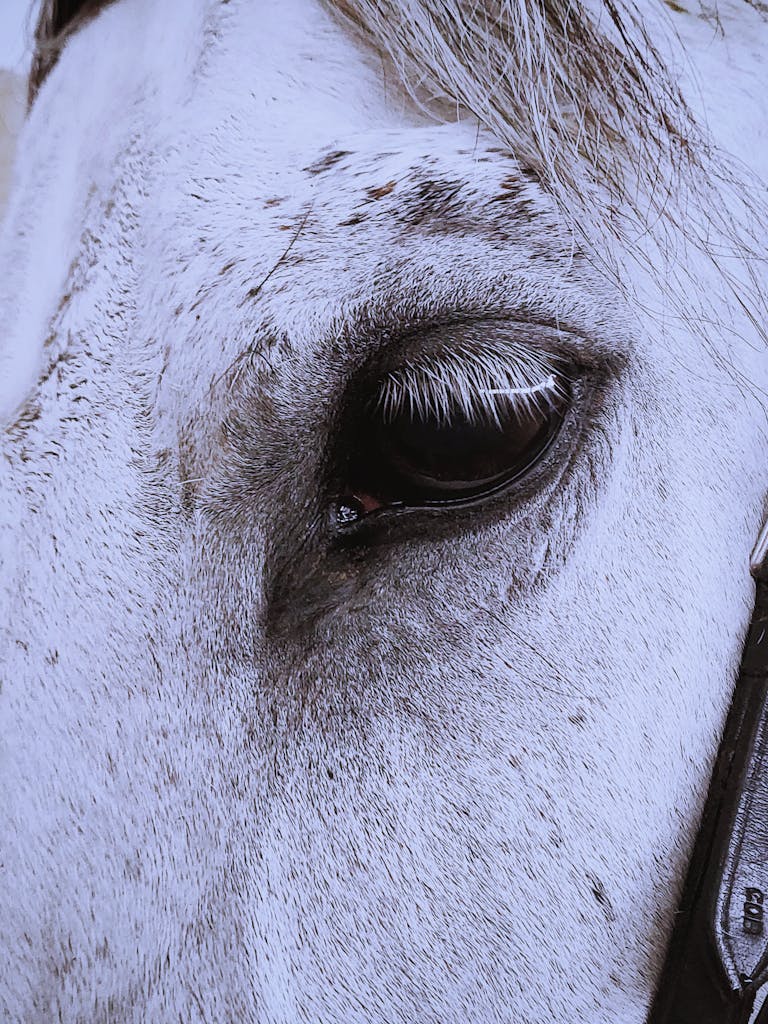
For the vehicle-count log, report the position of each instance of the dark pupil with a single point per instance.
(423, 461)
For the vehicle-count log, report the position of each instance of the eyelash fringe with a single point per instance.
(480, 384)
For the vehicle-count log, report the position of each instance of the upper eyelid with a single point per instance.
(575, 322)
(371, 342)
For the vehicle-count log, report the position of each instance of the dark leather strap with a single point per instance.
(718, 954)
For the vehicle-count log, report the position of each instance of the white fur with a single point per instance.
(247, 779)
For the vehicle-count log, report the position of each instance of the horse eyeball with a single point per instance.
(425, 457)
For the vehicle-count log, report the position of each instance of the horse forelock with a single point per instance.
(578, 91)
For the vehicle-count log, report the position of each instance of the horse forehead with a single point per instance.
(438, 169)
(418, 175)
(364, 219)
(723, 65)
(428, 183)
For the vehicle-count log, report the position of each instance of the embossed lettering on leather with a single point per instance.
(718, 953)
(741, 903)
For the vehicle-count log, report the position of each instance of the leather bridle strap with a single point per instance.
(718, 953)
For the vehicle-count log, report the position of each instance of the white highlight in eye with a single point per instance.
(479, 383)
(549, 384)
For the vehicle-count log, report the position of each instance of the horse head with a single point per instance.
(385, 400)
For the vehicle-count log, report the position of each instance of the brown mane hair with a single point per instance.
(56, 21)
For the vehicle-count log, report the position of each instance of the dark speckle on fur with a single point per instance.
(327, 162)
(381, 191)
(601, 896)
(529, 173)
(431, 198)
(510, 189)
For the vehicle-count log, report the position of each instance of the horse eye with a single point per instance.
(424, 457)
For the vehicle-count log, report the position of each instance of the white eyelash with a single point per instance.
(479, 383)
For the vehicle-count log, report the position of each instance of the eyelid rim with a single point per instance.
(381, 341)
